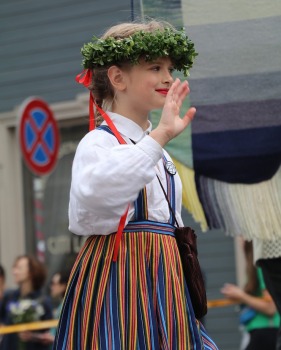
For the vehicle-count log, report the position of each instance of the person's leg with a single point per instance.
(271, 269)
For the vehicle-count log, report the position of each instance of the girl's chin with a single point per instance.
(160, 103)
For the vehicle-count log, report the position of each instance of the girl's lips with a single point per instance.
(162, 91)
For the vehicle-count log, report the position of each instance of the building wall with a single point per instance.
(11, 203)
(40, 44)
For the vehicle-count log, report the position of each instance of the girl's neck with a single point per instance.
(139, 118)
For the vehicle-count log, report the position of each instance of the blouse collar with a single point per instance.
(128, 128)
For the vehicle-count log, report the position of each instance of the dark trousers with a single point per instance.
(271, 269)
(262, 339)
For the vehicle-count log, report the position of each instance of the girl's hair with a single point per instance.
(37, 271)
(64, 276)
(101, 87)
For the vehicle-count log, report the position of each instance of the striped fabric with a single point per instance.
(139, 302)
(235, 86)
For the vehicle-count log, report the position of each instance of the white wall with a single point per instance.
(11, 200)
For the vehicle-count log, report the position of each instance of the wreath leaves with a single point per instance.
(147, 45)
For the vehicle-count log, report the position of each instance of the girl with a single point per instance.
(57, 290)
(127, 290)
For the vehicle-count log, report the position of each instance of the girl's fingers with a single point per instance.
(172, 94)
(174, 99)
(183, 92)
(173, 87)
(189, 115)
(180, 92)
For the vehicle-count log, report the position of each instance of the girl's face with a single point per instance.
(147, 85)
(21, 270)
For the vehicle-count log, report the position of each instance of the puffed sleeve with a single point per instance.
(106, 177)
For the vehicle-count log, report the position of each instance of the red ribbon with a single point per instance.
(85, 77)
(119, 233)
(122, 221)
(92, 123)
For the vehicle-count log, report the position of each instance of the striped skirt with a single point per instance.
(139, 302)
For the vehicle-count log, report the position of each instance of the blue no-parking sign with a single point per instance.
(38, 136)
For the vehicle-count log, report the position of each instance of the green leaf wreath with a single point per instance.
(147, 45)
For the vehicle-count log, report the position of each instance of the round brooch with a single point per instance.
(171, 168)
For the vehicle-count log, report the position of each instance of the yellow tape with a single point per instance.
(221, 303)
(32, 326)
(35, 326)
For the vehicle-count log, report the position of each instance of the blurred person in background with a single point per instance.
(258, 314)
(2, 288)
(57, 290)
(26, 304)
(267, 255)
(2, 282)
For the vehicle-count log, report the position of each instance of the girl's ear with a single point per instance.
(117, 78)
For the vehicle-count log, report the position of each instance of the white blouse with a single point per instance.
(107, 176)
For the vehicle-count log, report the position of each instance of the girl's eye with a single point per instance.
(158, 68)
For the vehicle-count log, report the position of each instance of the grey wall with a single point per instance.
(40, 45)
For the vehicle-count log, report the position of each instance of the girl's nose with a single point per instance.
(168, 78)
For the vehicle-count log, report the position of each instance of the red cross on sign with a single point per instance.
(38, 136)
